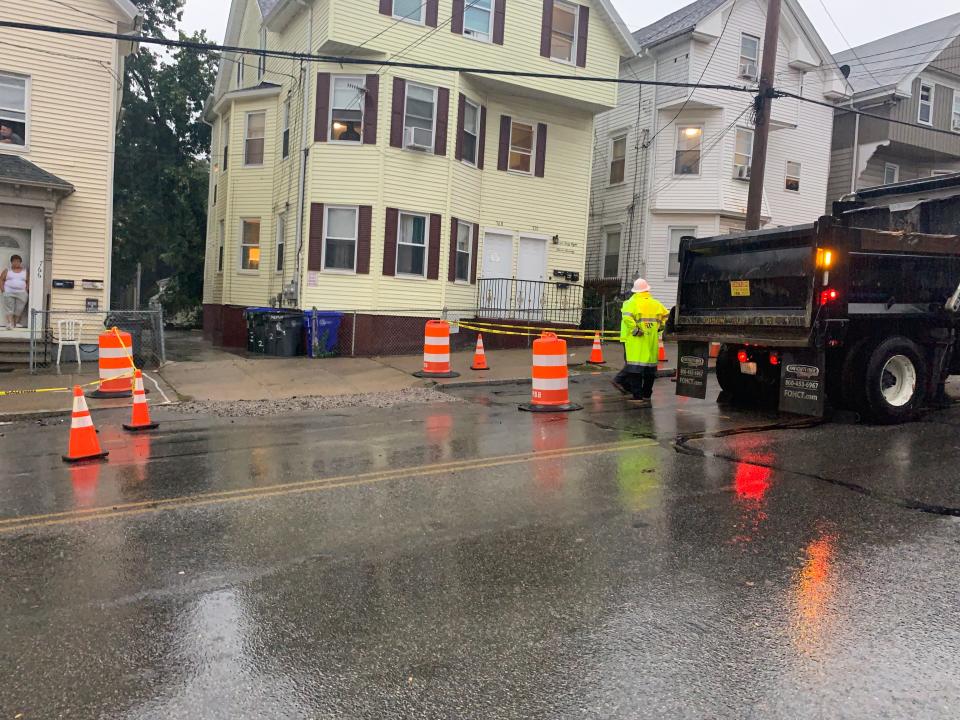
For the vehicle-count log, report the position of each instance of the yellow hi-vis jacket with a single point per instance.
(642, 319)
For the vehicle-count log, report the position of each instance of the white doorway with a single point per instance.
(531, 267)
(496, 288)
(21, 233)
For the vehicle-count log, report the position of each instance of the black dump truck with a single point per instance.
(859, 310)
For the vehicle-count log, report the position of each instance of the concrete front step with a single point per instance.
(16, 351)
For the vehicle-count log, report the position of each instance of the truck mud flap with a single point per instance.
(692, 369)
(803, 384)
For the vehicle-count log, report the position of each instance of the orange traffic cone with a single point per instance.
(596, 354)
(479, 357)
(83, 444)
(141, 414)
(662, 357)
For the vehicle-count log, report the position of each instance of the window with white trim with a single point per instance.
(409, 10)
(222, 237)
(673, 260)
(250, 244)
(419, 116)
(687, 160)
(793, 176)
(254, 138)
(563, 37)
(478, 19)
(412, 245)
(464, 251)
(955, 121)
(346, 108)
(743, 154)
(925, 113)
(13, 110)
(521, 147)
(891, 173)
(285, 142)
(618, 159)
(749, 56)
(262, 58)
(471, 132)
(340, 237)
(611, 253)
(281, 241)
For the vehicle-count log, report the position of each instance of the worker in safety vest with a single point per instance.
(641, 321)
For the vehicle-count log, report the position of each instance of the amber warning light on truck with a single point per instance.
(824, 258)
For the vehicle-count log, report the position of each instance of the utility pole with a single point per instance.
(758, 165)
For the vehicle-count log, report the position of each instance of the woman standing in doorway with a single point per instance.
(15, 286)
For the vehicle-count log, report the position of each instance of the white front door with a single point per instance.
(531, 267)
(496, 288)
(22, 233)
(17, 241)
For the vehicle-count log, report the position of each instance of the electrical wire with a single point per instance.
(844, 37)
(67, 5)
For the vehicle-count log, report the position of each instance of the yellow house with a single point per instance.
(59, 103)
(403, 191)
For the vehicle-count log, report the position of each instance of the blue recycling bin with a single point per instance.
(323, 328)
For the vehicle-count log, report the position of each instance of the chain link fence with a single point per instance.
(76, 333)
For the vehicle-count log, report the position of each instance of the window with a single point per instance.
(285, 150)
(346, 108)
(688, 151)
(249, 244)
(411, 10)
(618, 159)
(222, 239)
(13, 110)
(239, 61)
(412, 245)
(419, 115)
(891, 174)
(262, 58)
(743, 154)
(281, 241)
(478, 19)
(253, 147)
(464, 249)
(226, 144)
(955, 122)
(793, 176)
(340, 238)
(521, 147)
(563, 39)
(471, 132)
(926, 104)
(673, 261)
(611, 253)
(749, 56)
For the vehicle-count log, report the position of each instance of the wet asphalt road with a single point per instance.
(466, 560)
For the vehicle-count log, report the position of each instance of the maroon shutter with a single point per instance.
(475, 253)
(320, 128)
(390, 242)
(456, 19)
(582, 27)
(315, 248)
(371, 106)
(541, 149)
(546, 28)
(461, 106)
(452, 273)
(433, 10)
(433, 252)
(483, 136)
(499, 20)
(503, 154)
(443, 117)
(386, 7)
(396, 112)
(364, 229)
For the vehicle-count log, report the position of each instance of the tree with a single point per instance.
(162, 164)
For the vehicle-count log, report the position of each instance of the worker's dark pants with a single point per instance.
(638, 383)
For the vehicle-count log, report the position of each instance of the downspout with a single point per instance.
(304, 155)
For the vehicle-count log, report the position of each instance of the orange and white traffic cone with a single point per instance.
(596, 354)
(662, 357)
(83, 444)
(141, 413)
(479, 356)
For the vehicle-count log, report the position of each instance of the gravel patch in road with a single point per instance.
(264, 408)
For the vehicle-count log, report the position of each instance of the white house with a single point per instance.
(669, 162)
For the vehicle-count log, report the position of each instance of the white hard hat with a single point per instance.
(641, 286)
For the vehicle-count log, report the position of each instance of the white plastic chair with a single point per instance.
(69, 333)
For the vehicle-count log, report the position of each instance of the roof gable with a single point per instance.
(676, 23)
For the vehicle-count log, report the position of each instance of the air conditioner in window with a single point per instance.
(748, 70)
(418, 139)
(741, 172)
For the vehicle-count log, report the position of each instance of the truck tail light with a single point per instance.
(828, 296)
(742, 356)
(774, 358)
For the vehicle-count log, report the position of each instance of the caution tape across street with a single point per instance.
(497, 331)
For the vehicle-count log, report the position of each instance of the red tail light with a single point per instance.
(774, 358)
(742, 356)
(828, 295)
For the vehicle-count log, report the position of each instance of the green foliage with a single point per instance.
(161, 165)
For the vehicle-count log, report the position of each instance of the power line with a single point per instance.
(427, 36)
(390, 27)
(83, 12)
(909, 47)
(844, 37)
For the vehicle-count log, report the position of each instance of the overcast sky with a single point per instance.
(860, 20)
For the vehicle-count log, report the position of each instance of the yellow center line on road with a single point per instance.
(27, 522)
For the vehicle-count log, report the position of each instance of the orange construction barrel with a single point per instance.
(550, 392)
(116, 365)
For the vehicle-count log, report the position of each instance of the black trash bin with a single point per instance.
(275, 332)
(256, 328)
(142, 333)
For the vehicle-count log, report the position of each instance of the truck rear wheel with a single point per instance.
(895, 381)
(731, 380)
